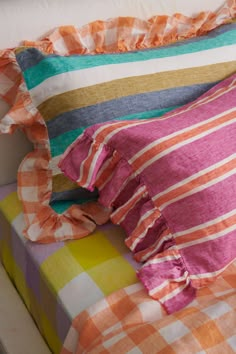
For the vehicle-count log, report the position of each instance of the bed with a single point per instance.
(74, 261)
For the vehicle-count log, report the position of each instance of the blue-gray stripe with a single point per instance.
(81, 195)
(117, 108)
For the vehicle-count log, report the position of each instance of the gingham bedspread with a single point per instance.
(85, 293)
(130, 322)
(57, 281)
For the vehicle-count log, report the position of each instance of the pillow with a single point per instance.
(172, 185)
(53, 13)
(62, 95)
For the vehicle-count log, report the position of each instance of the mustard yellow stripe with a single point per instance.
(11, 206)
(107, 91)
(61, 183)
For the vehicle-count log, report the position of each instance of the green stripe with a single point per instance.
(61, 142)
(52, 66)
(61, 206)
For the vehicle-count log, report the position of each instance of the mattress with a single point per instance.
(58, 281)
(85, 298)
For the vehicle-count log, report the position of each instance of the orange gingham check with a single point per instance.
(115, 35)
(128, 321)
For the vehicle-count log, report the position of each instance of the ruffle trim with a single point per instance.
(163, 273)
(97, 37)
(43, 224)
(132, 33)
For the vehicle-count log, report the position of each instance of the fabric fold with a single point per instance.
(175, 208)
(163, 274)
(131, 34)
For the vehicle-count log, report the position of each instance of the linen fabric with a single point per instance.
(60, 280)
(171, 182)
(51, 14)
(39, 181)
(129, 322)
(55, 283)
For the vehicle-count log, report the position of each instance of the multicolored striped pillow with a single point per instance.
(62, 95)
(172, 184)
(74, 92)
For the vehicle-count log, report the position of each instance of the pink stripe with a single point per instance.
(201, 207)
(185, 297)
(159, 128)
(222, 249)
(201, 158)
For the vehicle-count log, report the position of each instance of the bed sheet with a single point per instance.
(85, 298)
(58, 281)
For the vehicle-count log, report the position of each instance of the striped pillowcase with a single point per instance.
(73, 92)
(172, 184)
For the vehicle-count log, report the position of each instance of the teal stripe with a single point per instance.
(61, 142)
(52, 66)
(62, 205)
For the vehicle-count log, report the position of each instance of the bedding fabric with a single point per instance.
(53, 13)
(66, 290)
(58, 281)
(171, 182)
(63, 95)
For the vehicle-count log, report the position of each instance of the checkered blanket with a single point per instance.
(128, 321)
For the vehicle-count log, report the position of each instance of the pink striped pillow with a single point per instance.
(172, 185)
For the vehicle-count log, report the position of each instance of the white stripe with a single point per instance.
(174, 293)
(137, 123)
(53, 165)
(179, 132)
(109, 136)
(91, 167)
(102, 169)
(117, 211)
(194, 176)
(211, 274)
(199, 188)
(206, 224)
(143, 234)
(113, 340)
(208, 238)
(158, 288)
(183, 143)
(204, 100)
(72, 80)
(162, 259)
(158, 244)
(166, 282)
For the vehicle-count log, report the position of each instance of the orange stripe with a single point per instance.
(142, 255)
(99, 139)
(207, 231)
(199, 181)
(108, 170)
(181, 137)
(167, 290)
(198, 283)
(86, 166)
(119, 214)
(141, 228)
